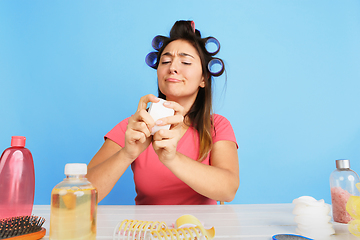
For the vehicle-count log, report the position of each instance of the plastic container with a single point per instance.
(342, 185)
(17, 180)
(73, 206)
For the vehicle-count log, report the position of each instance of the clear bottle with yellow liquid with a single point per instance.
(73, 206)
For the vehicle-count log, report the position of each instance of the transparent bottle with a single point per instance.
(17, 180)
(343, 182)
(73, 206)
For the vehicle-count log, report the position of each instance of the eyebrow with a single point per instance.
(181, 54)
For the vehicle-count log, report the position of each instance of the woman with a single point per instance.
(195, 161)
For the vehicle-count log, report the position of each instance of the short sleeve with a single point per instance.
(223, 130)
(117, 134)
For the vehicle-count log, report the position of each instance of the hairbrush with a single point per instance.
(22, 227)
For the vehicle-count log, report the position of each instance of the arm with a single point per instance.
(106, 167)
(218, 181)
(112, 160)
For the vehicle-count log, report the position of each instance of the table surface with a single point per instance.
(231, 221)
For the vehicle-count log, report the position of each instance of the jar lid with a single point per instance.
(75, 169)
(18, 141)
(343, 164)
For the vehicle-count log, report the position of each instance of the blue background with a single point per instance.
(71, 70)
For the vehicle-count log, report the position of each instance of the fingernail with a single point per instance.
(167, 103)
(158, 122)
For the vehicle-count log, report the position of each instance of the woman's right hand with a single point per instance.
(138, 133)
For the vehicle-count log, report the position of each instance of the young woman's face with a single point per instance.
(179, 71)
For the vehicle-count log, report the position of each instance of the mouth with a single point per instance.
(174, 80)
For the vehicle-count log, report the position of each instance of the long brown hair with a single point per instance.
(200, 113)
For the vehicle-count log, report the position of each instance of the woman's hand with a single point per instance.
(138, 132)
(165, 141)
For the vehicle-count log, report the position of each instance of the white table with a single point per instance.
(238, 221)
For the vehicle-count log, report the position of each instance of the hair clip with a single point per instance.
(212, 43)
(151, 59)
(158, 42)
(216, 67)
(193, 25)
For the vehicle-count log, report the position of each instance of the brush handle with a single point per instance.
(30, 236)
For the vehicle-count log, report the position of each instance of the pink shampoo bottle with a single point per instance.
(17, 180)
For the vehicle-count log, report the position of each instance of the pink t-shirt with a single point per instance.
(155, 184)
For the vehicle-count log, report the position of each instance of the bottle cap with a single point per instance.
(18, 141)
(343, 164)
(75, 169)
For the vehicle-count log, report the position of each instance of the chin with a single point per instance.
(171, 93)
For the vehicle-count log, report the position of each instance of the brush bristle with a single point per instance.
(16, 226)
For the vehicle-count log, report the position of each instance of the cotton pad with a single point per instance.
(312, 217)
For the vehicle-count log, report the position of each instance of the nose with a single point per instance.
(173, 67)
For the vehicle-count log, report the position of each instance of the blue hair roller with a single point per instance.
(209, 45)
(157, 42)
(216, 67)
(151, 59)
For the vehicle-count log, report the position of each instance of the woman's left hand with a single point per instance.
(165, 141)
